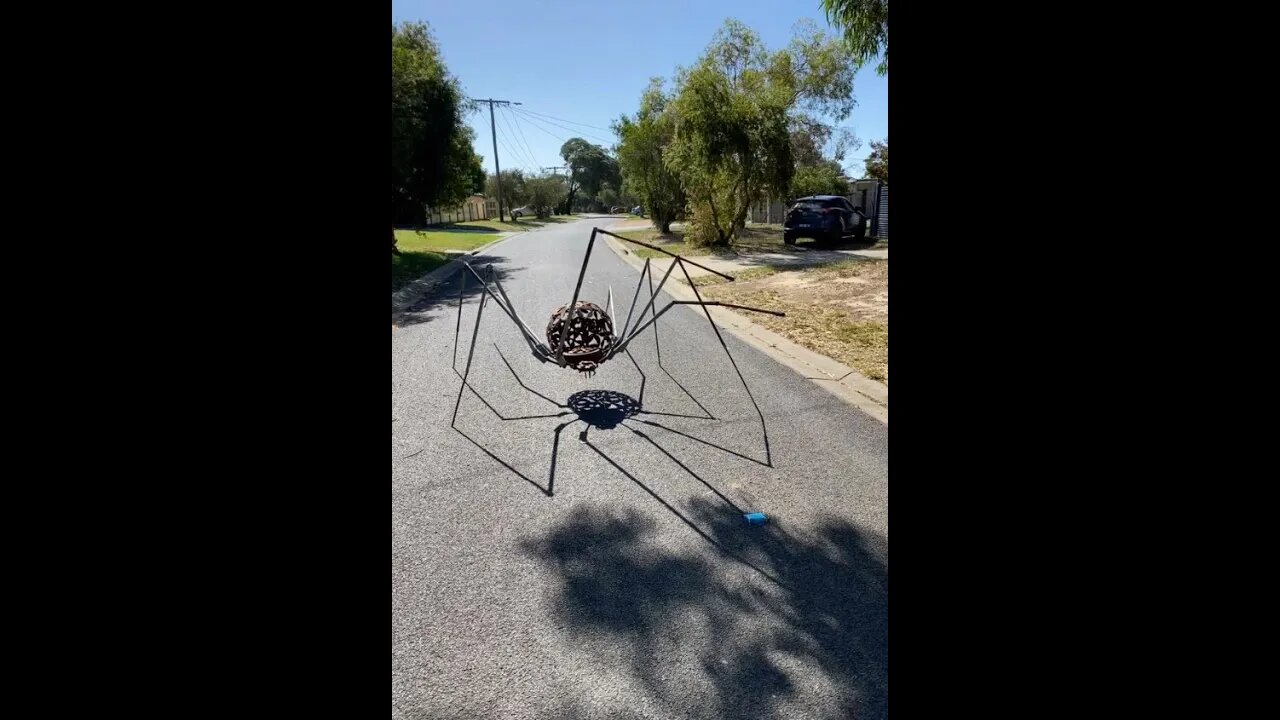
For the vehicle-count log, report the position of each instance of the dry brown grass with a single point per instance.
(839, 310)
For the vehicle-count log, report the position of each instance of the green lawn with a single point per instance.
(422, 252)
(412, 240)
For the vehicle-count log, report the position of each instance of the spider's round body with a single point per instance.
(590, 335)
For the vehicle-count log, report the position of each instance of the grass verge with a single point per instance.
(674, 242)
(422, 252)
(838, 310)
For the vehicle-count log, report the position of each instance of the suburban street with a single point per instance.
(635, 589)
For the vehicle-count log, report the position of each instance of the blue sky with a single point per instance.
(580, 64)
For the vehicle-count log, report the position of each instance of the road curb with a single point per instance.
(411, 293)
(835, 377)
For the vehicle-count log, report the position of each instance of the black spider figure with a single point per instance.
(582, 336)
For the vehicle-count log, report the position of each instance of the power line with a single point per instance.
(516, 120)
(516, 141)
(534, 120)
(503, 141)
(557, 137)
(575, 131)
(552, 117)
(518, 152)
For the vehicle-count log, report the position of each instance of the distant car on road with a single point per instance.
(825, 218)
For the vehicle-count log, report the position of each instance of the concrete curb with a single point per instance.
(411, 293)
(835, 377)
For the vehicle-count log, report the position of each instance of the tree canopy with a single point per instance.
(546, 192)
(644, 138)
(433, 162)
(590, 168)
(514, 190)
(734, 111)
(823, 178)
(866, 28)
(877, 163)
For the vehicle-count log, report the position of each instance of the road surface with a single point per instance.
(540, 572)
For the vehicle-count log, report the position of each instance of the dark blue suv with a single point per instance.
(828, 218)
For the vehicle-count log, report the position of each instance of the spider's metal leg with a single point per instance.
(656, 345)
(652, 298)
(518, 380)
(768, 457)
(622, 332)
(540, 351)
(467, 386)
(573, 304)
(667, 252)
(704, 303)
(506, 310)
(474, 333)
(623, 345)
(643, 380)
(613, 318)
(462, 289)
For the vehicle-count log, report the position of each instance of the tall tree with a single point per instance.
(733, 114)
(644, 138)
(866, 28)
(514, 192)
(546, 192)
(433, 162)
(877, 163)
(822, 178)
(608, 196)
(590, 167)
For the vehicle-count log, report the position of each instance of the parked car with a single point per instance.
(825, 218)
(525, 211)
(616, 209)
(637, 210)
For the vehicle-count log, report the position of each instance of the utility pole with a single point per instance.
(557, 168)
(572, 171)
(493, 129)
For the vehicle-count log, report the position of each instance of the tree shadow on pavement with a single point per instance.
(446, 292)
(828, 613)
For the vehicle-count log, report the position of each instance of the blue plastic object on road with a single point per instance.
(756, 518)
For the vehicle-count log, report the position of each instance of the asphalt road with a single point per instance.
(635, 589)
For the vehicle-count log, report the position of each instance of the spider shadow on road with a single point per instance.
(600, 409)
(445, 293)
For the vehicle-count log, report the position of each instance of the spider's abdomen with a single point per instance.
(590, 336)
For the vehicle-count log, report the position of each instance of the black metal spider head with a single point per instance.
(590, 336)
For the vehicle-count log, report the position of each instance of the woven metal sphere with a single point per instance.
(590, 336)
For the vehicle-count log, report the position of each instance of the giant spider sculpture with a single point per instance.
(583, 336)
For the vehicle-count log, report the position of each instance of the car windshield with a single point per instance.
(812, 205)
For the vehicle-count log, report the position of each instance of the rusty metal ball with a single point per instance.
(590, 335)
